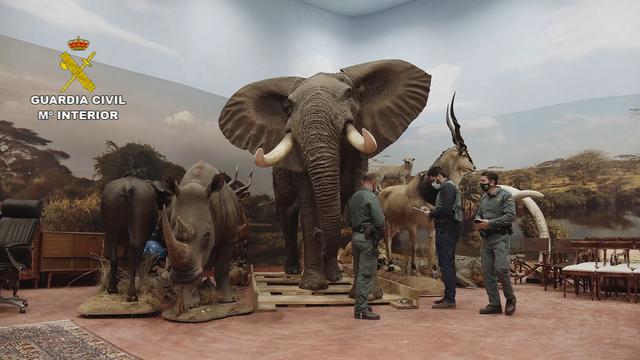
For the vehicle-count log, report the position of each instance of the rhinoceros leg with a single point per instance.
(112, 242)
(136, 254)
(221, 262)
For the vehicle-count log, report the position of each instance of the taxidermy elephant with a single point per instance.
(319, 132)
(130, 214)
(203, 226)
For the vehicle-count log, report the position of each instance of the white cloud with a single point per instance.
(71, 16)
(179, 119)
(580, 28)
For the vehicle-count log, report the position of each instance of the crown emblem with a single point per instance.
(78, 44)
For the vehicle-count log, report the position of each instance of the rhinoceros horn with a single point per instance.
(179, 252)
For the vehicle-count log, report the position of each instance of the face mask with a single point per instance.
(485, 187)
(435, 185)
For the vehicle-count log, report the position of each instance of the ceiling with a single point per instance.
(355, 7)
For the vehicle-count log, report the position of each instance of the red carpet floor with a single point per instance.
(545, 326)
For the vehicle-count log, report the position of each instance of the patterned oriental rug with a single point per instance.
(55, 340)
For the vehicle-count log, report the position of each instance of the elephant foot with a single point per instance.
(292, 269)
(132, 298)
(227, 295)
(312, 280)
(331, 270)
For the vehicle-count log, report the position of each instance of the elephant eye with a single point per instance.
(287, 107)
(348, 93)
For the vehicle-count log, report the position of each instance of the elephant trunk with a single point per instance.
(321, 149)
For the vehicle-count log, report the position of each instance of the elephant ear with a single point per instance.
(254, 117)
(392, 94)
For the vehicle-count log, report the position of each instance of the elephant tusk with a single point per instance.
(277, 154)
(526, 197)
(527, 193)
(179, 253)
(364, 143)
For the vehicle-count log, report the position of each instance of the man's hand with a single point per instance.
(482, 225)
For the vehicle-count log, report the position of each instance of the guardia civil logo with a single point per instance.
(77, 71)
(84, 106)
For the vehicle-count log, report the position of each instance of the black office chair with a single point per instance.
(18, 226)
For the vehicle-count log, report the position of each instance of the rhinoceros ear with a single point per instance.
(217, 183)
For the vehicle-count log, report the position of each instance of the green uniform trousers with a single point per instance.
(365, 264)
(494, 256)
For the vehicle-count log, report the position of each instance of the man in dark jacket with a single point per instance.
(447, 216)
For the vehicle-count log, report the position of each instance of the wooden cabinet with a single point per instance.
(70, 252)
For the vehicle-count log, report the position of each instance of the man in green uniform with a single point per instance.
(365, 217)
(494, 217)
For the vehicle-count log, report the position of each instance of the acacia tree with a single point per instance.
(585, 165)
(133, 159)
(27, 168)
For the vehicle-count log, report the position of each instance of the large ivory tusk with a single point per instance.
(364, 143)
(179, 252)
(277, 154)
(527, 193)
(534, 209)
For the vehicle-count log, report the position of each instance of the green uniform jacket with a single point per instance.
(364, 208)
(498, 208)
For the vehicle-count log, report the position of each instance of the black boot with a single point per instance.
(439, 301)
(491, 309)
(367, 315)
(510, 308)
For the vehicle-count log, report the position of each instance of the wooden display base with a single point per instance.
(114, 305)
(279, 289)
(246, 304)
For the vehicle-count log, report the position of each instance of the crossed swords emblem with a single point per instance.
(76, 71)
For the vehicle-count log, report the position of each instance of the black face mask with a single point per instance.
(485, 187)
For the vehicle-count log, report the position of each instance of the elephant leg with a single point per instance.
(289, 223)
(222, 260)
(313, 277)
(288, 211)
(134, 261)
(112, 288)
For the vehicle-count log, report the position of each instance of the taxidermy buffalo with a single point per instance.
(318, 132)
(130, 214)
(202, 228)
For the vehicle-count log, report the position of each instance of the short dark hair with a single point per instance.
(490, 175)
(437, 170)
(368, 177)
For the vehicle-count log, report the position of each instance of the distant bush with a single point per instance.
(530, 230)
(81, 215)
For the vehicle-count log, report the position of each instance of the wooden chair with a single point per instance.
(561, 256)
(522, 262)
(636, 278)
(584, 269)
(610, 273)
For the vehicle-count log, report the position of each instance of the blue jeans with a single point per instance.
(446, 239)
